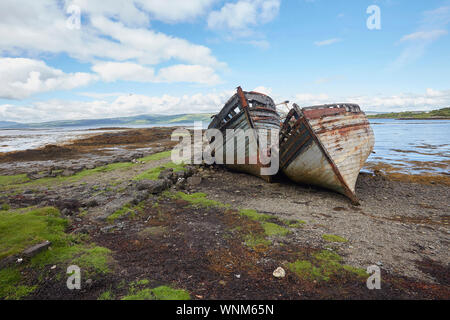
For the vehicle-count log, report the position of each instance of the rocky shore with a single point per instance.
(135, 222)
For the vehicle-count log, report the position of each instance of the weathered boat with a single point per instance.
(326, 146)
(247, 110)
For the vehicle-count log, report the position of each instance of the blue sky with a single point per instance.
(175, 56)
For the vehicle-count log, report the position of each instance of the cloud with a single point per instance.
(424, 35)
(131, 104)
(127, 71)
(117, 31)
(240, 16)
(140, 12)
(431, 27)
(429, 100)
(188, 73)
(122, 106)
(21, 78)
(327, 42)
(112, 71)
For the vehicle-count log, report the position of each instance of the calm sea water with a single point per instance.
(404, 143)
(411, 143)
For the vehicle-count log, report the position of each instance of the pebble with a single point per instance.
(279, 273)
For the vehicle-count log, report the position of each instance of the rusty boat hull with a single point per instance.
(246, 110)
(326, 146)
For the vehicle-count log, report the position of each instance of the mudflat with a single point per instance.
(140, 226)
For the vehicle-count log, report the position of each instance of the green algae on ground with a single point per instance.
(153, 173)
(254, 215)
(127, 209)
(12, 180)
(107, 295)
(10, 288)
(322, 266)
(153, 232)
(90, 258)
(23, 228)
(158, 293)
(195, 199)
(272, 229)
(254, 241)
(294, 223)
(333, 238)
(156, 156)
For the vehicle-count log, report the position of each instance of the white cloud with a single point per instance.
(431, 28)
(131, 104)
(327, 42)
(117, 31)
(429, 100)
(424, 35)
(141, 12)
(112, 71)
(188, 73)
(264, 90)
(21, 78)
(243, 14)
(176, 10)
(122, 106)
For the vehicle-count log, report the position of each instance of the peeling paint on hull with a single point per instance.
(246, 110)
(326, 146)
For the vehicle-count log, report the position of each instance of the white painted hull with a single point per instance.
(328, 151)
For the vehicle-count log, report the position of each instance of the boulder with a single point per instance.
(34, 250)
(153, 186)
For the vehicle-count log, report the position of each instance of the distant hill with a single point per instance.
(435, 114)
(7, 124)
(107, 122)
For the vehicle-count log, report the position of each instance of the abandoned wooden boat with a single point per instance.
(326, 146)
(247, 110)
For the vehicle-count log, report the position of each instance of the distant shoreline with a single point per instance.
(386, 118)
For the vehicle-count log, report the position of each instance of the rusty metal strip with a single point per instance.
(347, 190)
(355, 126)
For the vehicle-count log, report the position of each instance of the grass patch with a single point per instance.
(294, 223)
(196, 199)
(158, 293)
(256, 241)
(156, 156)
(254, 215)
(323, 266)
(4, 207)
(20, 229)
(11, 180)
(333, 238)
(153, 173)
(91, 259)
(128, 208)
(272, 229)
(107, 295)
(10, 288)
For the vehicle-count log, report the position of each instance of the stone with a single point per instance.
(166, 174)
(152, 186)
(194, 181)
(67, 173)
(140, 196)
(34, 250)
(279, 273)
